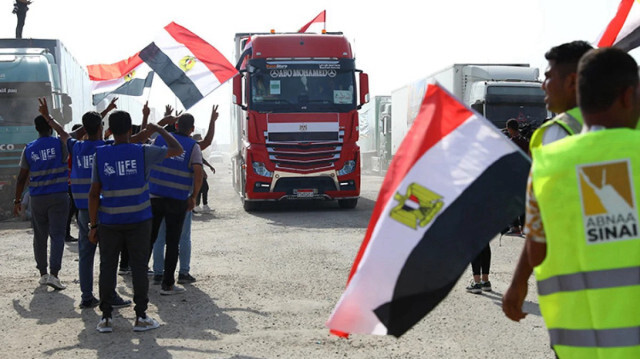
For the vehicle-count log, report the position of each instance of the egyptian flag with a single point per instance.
(128, 77)
(624, 29)
(453, 184)
(319, 23)
(190, 66)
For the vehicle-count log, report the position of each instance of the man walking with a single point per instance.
(44, 161)
(119, 197)
(174, 186)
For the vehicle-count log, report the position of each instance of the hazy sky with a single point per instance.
(395, 43)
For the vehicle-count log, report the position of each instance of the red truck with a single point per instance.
(295, 123)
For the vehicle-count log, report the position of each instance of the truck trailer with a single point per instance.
(375, 134)
(295, 123)
(497, 91)
(29, 69)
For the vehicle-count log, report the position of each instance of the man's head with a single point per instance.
(119, 122)
(513, 128)
(185, 124)
(608, 92)
(92, 122)
(42, 126)
(560, 77)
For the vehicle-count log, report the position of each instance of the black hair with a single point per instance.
(41, 125)
(185, 123)
(568, 54)
(603, 76)
(119, 122)
(91, 122)
(75, 127)
(513, 124)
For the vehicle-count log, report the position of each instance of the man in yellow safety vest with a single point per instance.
(586, 190)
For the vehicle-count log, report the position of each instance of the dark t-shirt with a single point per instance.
(522, 142)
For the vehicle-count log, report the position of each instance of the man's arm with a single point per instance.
(174, 147)
(208, 138)
(21, 182)
(209, 165)
(64, 136)
(144, 134)
(197, 184)
(513, 297)
(111, 106)
(94, 203)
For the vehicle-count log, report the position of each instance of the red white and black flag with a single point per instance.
(623, 30)
(191, 67)
(453, 184)
(318, 23)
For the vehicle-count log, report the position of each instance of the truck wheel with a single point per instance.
(348, 203)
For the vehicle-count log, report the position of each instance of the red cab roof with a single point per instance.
(300, 46)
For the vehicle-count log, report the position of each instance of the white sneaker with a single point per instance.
(104, 326)
(206, 209)
(55, 283)
(197, 209)
(43, 279)
(144, 324)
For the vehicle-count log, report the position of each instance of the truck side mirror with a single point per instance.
(364, 89)
(66, 100)
(237, 91)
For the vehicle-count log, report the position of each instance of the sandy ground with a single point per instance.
(267, 282)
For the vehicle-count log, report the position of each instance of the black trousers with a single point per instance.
(173, 212)
(204, 193)
(112, 238)
(481, 264)
(22, 15)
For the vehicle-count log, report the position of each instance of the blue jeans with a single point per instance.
(49, 218)
(185, 247)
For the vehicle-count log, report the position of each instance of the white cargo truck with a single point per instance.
(497, 91)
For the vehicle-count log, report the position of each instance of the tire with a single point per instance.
(348, 203)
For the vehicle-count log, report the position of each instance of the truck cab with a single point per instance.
(296, 119)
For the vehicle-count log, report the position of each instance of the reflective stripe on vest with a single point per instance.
(173, 178)
(571, 121)
(589, 281)
(82, 154)
(125, 193)
(47, 167)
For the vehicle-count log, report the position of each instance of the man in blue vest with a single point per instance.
(44, 161)
(174, 186)
(119, 197)
(81, 154)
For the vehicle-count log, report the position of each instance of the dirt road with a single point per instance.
(266, 283)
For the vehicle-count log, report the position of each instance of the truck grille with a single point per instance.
(300, 155)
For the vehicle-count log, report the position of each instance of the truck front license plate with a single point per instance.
(305, 193)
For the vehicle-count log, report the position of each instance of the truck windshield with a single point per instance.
(19, 102)
(302, 86)
(529, 116)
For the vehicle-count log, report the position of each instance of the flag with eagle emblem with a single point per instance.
(128, 77)
(453, 184)
(190, 66)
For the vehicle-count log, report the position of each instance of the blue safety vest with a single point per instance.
(83, 153)
(125, 191)
(47, 168)
(173, 178)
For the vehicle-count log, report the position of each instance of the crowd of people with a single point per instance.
(123, 190)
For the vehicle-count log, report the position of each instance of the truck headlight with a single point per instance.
(348, 167)
(261, 170)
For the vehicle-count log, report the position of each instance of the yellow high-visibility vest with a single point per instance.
(588, 190)
(571, 121)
